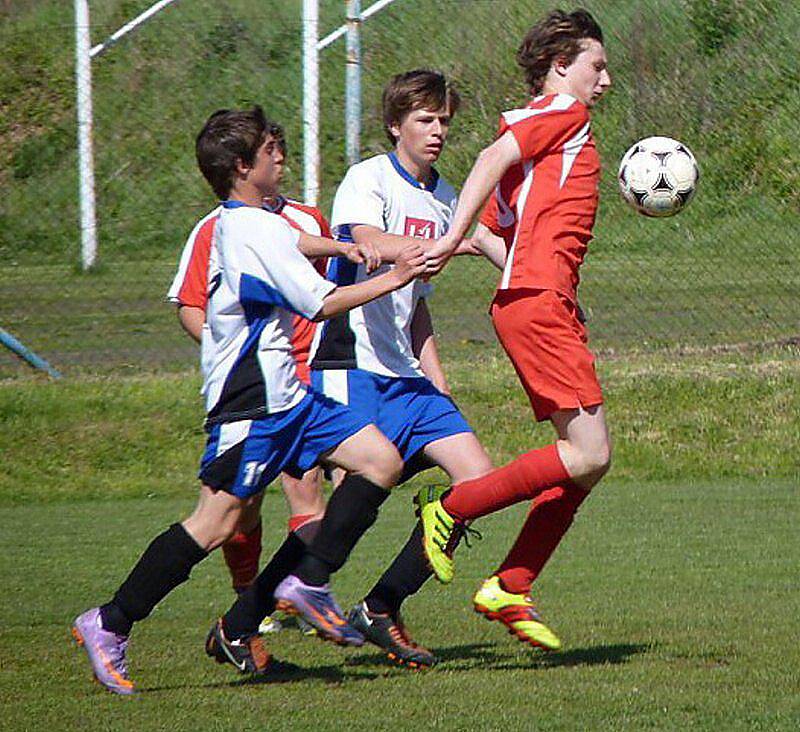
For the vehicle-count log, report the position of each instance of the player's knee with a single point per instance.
(384, 466)
(596, 463)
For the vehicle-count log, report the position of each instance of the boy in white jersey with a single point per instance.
(381, 358)
(189, 291)
(261, 419)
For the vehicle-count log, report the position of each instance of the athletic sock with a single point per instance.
(522, 479)
(550, 516)
(352, 509)
(406, 574)
(242, 552)
(165, 564)
(258, 601)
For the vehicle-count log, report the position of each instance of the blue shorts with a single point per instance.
(244, 457)
(411, 412)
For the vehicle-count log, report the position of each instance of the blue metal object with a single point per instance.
(38, 363)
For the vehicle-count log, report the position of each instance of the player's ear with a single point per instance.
(394, 128)
(242, 168)
(560, 65)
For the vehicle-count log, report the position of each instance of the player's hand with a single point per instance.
(410, 263)
(370, 256)
(365, 254)
(439, 252)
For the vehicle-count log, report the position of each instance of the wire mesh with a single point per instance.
(723, 76)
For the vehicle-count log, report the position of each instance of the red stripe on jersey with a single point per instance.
(194, 289)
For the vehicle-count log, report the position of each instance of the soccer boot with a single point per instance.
(270, 624)
(516, 612)
(440, 532)
(391, 635)
(106, 651)
(317, 607)
(247, 654)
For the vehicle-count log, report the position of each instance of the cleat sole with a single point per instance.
(518, 634)
(77, 637)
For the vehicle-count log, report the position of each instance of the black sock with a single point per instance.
(406, 574)
(352, 509)
(165, 564)
(257, 601)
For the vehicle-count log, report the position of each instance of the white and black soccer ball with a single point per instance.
(658, 176)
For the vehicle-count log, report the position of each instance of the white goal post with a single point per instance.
(312, 45)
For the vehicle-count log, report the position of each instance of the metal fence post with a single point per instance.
(311, 154)
(353, 82)
(83, 74)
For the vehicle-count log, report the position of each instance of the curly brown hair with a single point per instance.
(560, 34)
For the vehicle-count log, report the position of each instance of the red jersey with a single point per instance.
(545, 205)
(190, 286)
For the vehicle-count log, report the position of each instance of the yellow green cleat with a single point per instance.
(440, 531)
(516, 612)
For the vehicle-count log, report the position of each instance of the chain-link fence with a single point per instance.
(721, 75)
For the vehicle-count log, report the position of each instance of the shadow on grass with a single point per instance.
(610, 655)
(279, 672)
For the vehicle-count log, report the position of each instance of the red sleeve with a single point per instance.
(488, 216)
(194, 289)
(547, 130)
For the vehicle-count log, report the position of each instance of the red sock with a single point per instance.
(520, 480)
(242, 552)
(550, 516)
(305, 526)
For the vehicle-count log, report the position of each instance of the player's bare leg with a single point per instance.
(166, 563)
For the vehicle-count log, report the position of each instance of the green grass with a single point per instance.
(677, 602)
(675, 591)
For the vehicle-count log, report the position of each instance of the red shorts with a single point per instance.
(545, 340)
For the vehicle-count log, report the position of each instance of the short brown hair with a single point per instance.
(417, 89)
(558, 35)
(231, 136)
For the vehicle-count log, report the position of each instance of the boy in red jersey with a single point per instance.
(189, 291)
(543, 170)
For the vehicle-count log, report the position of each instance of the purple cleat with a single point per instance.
(106, 651)
(317, 606)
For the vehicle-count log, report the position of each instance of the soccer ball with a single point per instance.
(658, 176)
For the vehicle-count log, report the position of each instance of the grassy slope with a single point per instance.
(685, 417)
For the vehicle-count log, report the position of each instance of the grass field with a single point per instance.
(676, 591)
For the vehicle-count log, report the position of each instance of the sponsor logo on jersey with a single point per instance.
(420, 228)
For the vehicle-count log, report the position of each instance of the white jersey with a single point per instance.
(376, 337)
(258, 281)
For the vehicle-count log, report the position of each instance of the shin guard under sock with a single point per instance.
(520, 480)
(242, 552)
(253, 605)
(164, 565)
(405, 576)
(550, 516)
(352, 509)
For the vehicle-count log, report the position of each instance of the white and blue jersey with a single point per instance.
(258, 281)
(376, 337)
(365, 359)
(261, 418)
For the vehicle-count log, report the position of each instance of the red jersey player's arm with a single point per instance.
(423, 342)
(489, 168)
(192, 320)
(489, 245)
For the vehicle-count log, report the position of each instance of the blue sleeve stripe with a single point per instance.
(258, 298)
